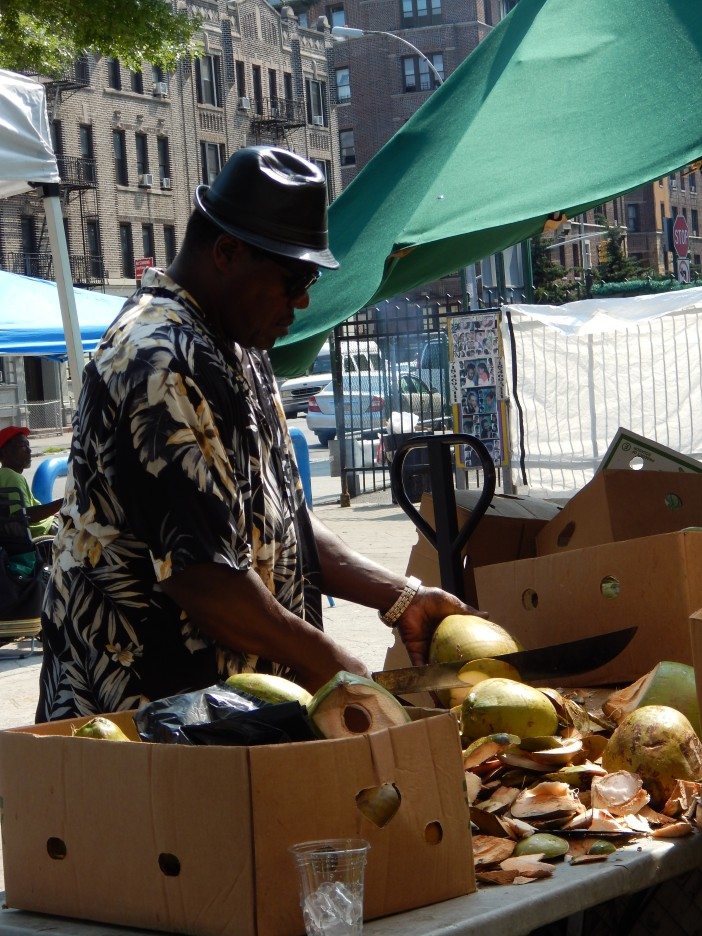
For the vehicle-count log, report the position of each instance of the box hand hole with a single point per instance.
(433, 833)
(610, 587)
(379, 804)
(56, 848)
(530, 599)
(169, 864)
(673, 501)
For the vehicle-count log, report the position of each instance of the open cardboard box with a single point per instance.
(195, 839)
(696, 643)
(624, 504)
(653, 582)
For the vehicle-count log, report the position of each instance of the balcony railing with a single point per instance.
(278, 112)
(77, 171)
(85, 270)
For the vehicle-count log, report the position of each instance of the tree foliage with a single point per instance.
(551, 286)
(615, 266)
(46, 36)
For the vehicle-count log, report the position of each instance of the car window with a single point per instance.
(322, 364)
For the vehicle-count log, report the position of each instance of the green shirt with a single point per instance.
(25, 498)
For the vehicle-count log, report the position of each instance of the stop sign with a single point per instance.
(680, 236)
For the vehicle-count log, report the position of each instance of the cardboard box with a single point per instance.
(194, 839)
(653, 582)
(507, 531)
(696, 643)
(621, 505)
(629, 450)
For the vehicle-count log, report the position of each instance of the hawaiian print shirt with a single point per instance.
(180, 455)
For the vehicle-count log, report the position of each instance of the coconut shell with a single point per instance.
(488, 849)
(349, 705)
(620, 792)
(669, 683)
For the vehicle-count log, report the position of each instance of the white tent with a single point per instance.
(26, 160)
(586, 368)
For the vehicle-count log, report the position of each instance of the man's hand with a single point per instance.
(428, 608)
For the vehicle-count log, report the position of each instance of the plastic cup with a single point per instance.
(331, 885)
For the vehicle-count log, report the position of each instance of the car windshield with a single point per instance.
(322, 364)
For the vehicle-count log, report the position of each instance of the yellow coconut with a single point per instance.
(269, 688)
(103, 729)
(475, 640)
(660, 745)
(504, 705)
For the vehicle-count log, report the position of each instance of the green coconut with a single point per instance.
(350, 705)
(101, 728)
(269, 688)
(473, 639)
(668, 683)
(504, 705)
(541, 843)
(660, 745)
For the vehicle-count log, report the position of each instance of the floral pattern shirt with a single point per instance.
(180, 455)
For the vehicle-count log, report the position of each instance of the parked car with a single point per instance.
(369, 403)
(357, 357)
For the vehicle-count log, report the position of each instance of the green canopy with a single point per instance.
(562, 107)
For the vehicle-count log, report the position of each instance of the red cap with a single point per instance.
(9, 432)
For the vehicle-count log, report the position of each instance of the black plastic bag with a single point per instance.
(221, 715)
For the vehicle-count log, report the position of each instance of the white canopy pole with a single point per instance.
(64, 283)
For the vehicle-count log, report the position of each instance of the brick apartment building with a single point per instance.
(133, 146)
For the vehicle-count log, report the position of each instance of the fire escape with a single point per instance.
(25, 245)
(273, 118)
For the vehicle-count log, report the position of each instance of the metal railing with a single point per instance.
(85, 270)
(77, 171)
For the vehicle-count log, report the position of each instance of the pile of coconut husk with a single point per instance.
(538, 800)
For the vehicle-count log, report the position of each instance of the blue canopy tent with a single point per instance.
(31, 322)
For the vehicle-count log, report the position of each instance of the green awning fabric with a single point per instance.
(562, 107)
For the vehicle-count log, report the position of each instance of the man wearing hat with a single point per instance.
(186, 551)
(15, 456)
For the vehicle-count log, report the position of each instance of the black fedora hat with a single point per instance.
(273, 199)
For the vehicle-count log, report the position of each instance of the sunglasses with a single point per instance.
(299, 275)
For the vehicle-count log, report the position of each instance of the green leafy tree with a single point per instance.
(46, 36)
(615, 266)
(551, 286)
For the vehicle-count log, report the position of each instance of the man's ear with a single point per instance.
(227, 252)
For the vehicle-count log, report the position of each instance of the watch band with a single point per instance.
(395, 612)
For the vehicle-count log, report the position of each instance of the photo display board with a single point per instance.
(477, 383)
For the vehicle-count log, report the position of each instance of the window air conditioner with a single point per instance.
(146, 180)
(160, 89)
(244, 104)
(318, 120)
(165, 183)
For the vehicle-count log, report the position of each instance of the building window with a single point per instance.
(169, 240)
(487, 7)
(325, 167)
(695, 221)
(257, 88)
(287, 86)
(674, 211)
(147, 241)
(164, 158)
(420, 12)
(418, 76)
(682, 181)
(316, 102)
(87, 151)
(29, 234)
(126, 249)
(240, 70)
(632, 217)
(303, 20)
(120, 149)
(114, 74)
(158, 75)
(673, 180)
(343, 85)
(506, 6)
(142, 154)
(136, 79)
(696, 259)
(662, 207)
(693, 182)
(212, 160)
(208, 80)
(336, 15)
(92, 243)
(272, 86)
(347, 147)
